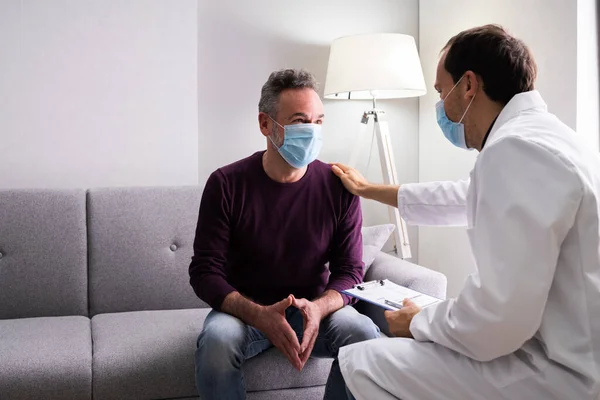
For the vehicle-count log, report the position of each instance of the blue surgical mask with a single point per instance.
(453, 131)
(301, 143)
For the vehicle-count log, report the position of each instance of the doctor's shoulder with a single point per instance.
(528, 154)
(537, 132)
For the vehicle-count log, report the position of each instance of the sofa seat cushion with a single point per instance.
(46, 358)
(150, 354)
(145, 354)
(305, 393)
(271, 371)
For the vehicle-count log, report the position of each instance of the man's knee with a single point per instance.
(352, 327)
(221, 342)
(363, 328)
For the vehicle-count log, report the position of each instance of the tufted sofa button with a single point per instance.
(1, 255)
(173, 247)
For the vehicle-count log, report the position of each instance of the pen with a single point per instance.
(366, 285)
(393, 304)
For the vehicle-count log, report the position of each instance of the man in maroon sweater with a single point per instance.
(267, 227)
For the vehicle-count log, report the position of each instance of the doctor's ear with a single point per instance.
(472, 83)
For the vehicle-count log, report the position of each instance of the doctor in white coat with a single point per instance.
(526, 324)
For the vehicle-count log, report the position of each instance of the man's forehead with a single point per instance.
(298, 94)
(300, 99)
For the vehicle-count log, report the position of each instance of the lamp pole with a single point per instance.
(390, 176)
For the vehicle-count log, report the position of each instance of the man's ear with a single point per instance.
(263, 124)
(472, 83)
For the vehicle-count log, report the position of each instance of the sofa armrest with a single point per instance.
(403, 273)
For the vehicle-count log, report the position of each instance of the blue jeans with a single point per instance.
(226, 342)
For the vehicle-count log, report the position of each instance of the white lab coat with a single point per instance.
(526, 324)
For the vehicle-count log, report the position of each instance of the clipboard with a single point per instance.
(386, 294)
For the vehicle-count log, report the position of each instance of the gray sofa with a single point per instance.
(95, 300)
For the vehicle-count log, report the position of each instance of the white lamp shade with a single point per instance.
(382, 66)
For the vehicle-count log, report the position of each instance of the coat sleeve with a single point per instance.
(524, 206)
(434, 203)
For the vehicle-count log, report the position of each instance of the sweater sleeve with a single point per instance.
(345, 262)
(207, 269)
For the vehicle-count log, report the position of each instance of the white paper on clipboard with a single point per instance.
(387, 294)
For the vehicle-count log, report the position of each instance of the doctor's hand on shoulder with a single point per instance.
(399, 321)
(356, 184)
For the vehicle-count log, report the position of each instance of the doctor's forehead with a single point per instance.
(442, 77)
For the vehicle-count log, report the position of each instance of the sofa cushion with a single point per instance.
(150, 354)
(272, 371)
(145, 354)
(43, 254)
(306, 393)
(140, 248)
(46, 358)
(374, 238)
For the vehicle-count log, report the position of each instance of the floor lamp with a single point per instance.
(374, 67)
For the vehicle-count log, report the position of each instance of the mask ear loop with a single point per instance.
(469, 106)
(453, 87)
(273, 143)
(277, 136)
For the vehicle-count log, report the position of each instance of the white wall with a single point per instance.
(549, 28)
(98, 93)
(588, 86)
(241, 43)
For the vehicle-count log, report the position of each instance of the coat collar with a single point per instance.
(519, 103)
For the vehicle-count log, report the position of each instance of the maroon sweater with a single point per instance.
(267, 239)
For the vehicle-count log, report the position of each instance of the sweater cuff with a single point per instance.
(219, 297)
(338, 286)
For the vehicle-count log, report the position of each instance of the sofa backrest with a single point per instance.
(140, 246)
(43, 261)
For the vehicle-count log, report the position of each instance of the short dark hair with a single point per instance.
(504, 62)
(278, 82)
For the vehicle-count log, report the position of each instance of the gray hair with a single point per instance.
(278, 82)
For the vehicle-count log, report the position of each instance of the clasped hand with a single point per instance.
(273, 324)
